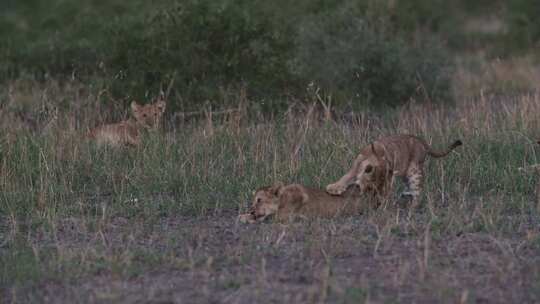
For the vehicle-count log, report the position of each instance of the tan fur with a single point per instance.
(377, 165)
(287, 202)
(128, 132)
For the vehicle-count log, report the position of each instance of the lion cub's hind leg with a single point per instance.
(414, 182)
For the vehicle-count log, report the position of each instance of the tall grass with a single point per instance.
(212, 164)
(53, 179)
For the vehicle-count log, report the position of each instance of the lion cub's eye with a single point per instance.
(368, 169)
(258, 200)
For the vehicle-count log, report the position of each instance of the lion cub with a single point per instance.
(377, 165)
(128, 132)
(286, 202)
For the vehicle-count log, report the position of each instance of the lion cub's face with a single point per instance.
(148, 116)
(265, 202)
(370, 173)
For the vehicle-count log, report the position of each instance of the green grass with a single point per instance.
(76, 215)
(205, 173)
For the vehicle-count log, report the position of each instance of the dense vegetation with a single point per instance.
(208, 49)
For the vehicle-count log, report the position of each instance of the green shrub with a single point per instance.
(523, 24)
(209, 44)
(363, 61)
(432, 15)
(212, 49)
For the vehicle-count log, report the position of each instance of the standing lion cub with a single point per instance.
(128, 132)
(286, 202)
(378, 164)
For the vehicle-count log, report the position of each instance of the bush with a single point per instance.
(208, 44)
(523, 24)
(362, 61)
(212, 47)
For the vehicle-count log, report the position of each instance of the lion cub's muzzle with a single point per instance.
(258, 216)
(253, 212)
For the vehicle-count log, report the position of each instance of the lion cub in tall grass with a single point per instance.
(287, 202)
(128, 132)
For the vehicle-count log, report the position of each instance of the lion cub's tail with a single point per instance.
(437, 154)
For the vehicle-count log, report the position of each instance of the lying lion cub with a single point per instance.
(378, 164)
(128, 132)
(286, 202)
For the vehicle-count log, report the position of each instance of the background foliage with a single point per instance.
(356, 52)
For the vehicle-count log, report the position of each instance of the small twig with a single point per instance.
(169, 88)
(204, 112)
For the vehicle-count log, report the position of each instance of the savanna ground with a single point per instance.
(158, 223)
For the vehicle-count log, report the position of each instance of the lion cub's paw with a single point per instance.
(335, 189)
(246, 218)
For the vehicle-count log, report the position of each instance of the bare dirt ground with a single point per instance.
(384, 257)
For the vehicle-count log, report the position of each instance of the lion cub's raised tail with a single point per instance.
(437, 154)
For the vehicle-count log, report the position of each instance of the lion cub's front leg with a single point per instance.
(246, 218)
(342, 184)
(335, 188)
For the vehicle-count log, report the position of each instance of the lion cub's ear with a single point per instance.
(135, 106)
(161, 106)
(374, 151)
(275, 188)
(380, 156)
(160, 102)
